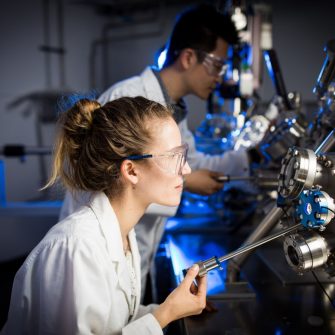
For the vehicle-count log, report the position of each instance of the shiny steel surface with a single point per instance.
(327, 73)
(268, 223)
(287, 134)
(326, 144)
(302, 169)
(297, 172)
(287, 308)
(215, 262)
(306, 251)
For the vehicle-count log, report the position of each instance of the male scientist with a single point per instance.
(195, 64)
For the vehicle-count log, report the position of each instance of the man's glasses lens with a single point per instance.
(216, 66)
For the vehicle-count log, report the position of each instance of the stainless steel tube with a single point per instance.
(326, 144)
(215, 262)
(263, 228)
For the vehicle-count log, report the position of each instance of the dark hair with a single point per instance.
(93, 140)
(199, 28)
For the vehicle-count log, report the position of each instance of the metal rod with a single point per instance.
(266, 225)
(215, 262)
(19, 150)
(60, 30)
(326, 144)
(259, 243)
(46, 35)
(228, 178)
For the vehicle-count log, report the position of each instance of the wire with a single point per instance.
(323, 289)
(328, 209)
(285, 212)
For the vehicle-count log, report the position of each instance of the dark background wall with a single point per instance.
(300, 30)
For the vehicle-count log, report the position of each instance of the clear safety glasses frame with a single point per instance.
(215, 65)
(172, 161)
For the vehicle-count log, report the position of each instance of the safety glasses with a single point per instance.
(171, 161)
(215, 65)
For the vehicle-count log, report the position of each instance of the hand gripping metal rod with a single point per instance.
(215, 262)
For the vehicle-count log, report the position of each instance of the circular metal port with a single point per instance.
(297, 172)
(305, 251)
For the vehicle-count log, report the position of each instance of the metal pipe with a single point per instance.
(262, 229)
(46, 36)
(326, 144)
(327, 73)
(61, 54)
(215, 262)
(22, 150)
(269, 221)
(227, 178)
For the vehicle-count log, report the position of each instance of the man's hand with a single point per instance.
(203, 182)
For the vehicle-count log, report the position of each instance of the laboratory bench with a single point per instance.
(269, 298)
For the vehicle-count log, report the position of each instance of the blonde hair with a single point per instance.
(93, 140)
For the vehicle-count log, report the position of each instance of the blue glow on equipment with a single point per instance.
(161, 59)
(185, 249)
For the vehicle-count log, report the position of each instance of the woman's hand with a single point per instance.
(182, 302)
(210, 306)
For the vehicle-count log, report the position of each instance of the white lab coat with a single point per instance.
(150, 229)
(76, 280)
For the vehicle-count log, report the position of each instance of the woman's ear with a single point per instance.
(187, 58)
(129, 172)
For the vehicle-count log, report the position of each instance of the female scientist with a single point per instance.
(84, 276)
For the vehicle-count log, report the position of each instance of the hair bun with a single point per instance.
(79, 118)
(77, 110)
(86, 109)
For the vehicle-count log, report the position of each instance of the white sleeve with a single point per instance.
(60, 290)
(146, 325)
(78, 299)
(234, 163)
(143, 310)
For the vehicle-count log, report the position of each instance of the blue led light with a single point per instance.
(187, 249)
(161, 59)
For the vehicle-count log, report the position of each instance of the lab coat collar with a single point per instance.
(110, 227)
(155, 90)
(152, 87)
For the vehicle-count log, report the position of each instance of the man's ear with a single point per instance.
(129, 172)
(187, 58)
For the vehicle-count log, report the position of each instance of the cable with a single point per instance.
(328, 209)
(323, 289)
(285, 212)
